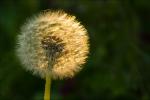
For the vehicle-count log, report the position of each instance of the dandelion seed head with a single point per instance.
(54, 43)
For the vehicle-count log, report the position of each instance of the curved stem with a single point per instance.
(47, 87)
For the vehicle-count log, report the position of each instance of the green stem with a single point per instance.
(47, 87)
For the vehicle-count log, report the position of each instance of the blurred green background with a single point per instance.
(118, 67)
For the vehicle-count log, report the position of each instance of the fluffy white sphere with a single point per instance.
(54, 43)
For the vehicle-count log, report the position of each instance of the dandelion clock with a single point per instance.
(53, 45)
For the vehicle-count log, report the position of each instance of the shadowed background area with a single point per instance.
(118, 67)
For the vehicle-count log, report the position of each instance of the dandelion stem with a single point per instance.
(47, 87)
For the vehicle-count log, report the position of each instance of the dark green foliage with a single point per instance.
(118, 67)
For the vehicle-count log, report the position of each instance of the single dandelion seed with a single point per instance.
(53, 45)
